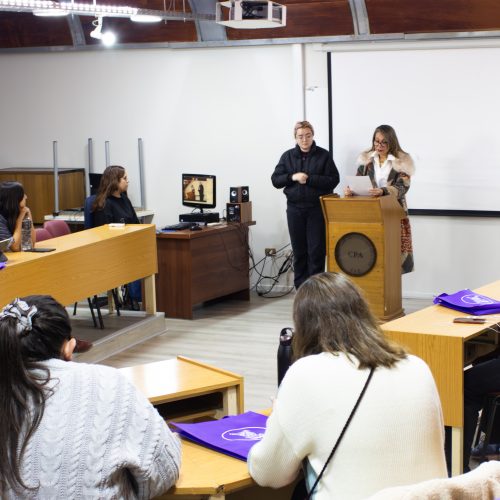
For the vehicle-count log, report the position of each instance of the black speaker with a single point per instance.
(239, 194)
(235, 194)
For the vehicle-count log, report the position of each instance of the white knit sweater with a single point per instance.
(99, 436)
(395, 438)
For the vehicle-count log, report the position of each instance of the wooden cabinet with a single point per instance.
(198, 266)
(39, 186)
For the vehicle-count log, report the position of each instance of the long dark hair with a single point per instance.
(110, 181)
(11, 195)
(23, 391)
(331, 315)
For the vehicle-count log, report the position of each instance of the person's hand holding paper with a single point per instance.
(359, 185)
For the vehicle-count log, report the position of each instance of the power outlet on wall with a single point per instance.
(270, 251)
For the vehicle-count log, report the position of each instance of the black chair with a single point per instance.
(487, 421)
(88, 223)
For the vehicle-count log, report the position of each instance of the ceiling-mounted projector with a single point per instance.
(250, 14)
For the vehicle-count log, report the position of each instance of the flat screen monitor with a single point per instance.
(198, 191)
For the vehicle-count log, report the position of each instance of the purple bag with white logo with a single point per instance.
(233, 435)
(469, 302)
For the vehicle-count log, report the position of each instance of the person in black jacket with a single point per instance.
(306, 172)
(112, 205)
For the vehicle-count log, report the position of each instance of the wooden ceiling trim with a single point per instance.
(26, 30)
(129, 32)
(305, 19)
(427, 16)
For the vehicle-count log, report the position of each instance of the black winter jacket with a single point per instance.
(323, 175)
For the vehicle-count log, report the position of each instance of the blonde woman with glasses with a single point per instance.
(390, 170)
(305, 173)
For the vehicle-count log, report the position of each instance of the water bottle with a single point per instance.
(284, 352)
(26, 243)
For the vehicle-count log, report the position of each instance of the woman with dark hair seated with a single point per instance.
(13, 210)
(72, 430)
(112, 205)
(349, 380)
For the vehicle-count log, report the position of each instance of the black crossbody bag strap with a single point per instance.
(341, 434)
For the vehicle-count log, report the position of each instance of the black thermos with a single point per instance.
(284, 352)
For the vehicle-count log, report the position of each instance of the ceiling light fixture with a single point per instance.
(145, 18)
(107, 38)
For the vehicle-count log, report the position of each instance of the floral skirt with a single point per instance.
(406, 247)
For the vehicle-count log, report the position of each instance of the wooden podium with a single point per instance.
(364, 242)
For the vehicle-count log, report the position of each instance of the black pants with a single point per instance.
(479, 381)
(307, 235)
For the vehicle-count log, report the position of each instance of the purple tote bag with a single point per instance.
(469, 302)
(233, 435)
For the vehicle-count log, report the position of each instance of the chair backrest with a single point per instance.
(41, 234)
(57, 227)
(88, 217)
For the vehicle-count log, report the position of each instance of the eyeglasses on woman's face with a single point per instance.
(383, 143)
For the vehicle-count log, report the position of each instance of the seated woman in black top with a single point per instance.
(112, 205)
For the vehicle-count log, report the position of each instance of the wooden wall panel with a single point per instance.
(422, 16)
(305, 19)
(26, 30)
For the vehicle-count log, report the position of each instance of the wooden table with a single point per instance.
(447, 348)
(183, 389)
(83, 264)
(38, 184)
(209, 475)
(205, 474)
(77, 217)
(197, 266)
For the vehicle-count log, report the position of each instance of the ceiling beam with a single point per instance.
(208, 30)
(359, 17)
(76, 30)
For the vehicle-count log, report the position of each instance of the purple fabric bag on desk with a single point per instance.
(469, 302)
(232, 436)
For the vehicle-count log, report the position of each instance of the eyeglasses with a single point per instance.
(380, 143)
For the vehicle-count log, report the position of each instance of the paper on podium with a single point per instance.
(359, 184)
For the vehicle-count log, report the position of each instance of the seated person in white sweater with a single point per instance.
(72, 430)
(395, 437)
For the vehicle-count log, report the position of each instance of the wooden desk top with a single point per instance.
(207, 472)
(187, 234)
(43, 170)
(438, 320)
(83, 264)
(179, 378)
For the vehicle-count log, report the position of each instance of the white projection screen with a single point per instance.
(445, 107)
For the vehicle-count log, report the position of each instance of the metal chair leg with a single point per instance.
(91, 307)
(116, 300)
(99, 315)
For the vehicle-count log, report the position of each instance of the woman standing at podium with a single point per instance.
(306, 172)
(13, 210)
(390, 170)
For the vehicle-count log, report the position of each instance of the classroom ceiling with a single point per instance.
(307, 21)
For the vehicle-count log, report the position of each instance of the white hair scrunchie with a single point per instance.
(22, 312)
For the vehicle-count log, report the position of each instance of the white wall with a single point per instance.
(228, 112)
(223, 111)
